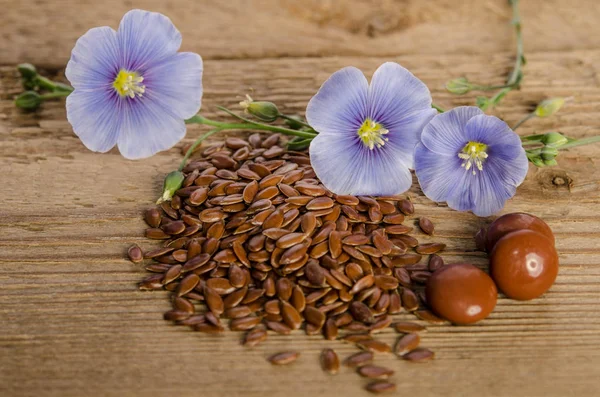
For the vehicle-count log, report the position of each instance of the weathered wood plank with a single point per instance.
(45, 32)
(72, 322)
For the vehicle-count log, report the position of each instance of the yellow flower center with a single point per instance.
(473, 154)
(372, 134)
(129, 84)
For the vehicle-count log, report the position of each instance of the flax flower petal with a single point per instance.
(346, 166)
(176, 84)
(146, 129)
(146, 37)
(340, 106)
(93, 119)
(444, 134)
(402, 104)
(94, 60)
(437, 173)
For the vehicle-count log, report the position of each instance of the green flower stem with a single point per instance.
(44, 82)
(195, 145)
(514, 79)
(436, 107)
(527, 143)
(286, 117)
(55, 94)
(63, 87)
(580, 142)
(516, 74)
(476, 87)
(248, 125)
(523, 120)
(50, 85)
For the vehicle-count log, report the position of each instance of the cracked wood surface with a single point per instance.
(72, 322)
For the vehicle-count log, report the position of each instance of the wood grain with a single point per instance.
(44, 32)
(72, 322)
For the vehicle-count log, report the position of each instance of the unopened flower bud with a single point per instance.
(549, 106)
(27, 70)
(537, 161)
(262, 110)
(29, 100)
(549, 153)
(550, 163)
(458, 86)
(172, 183)
(554, 139)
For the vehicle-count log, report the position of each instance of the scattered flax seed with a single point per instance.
(359, 359)
(330, 361)
(426, 226)
(378, 387)
(135, 254)
(284, 358)
(375, 372)
(254, 243)
(419, 355)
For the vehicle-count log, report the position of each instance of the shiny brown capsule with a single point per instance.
(512, 222)
(524, 264)
(461, 293)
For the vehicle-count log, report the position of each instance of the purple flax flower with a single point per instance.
(471, 160)
(367, 134)
(132, 88)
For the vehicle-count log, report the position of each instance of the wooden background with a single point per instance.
(71, 320)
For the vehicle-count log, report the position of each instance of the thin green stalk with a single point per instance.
(248, 125)
(283, 116)
(195, 145)
(580, 142)
(523, 120)
(527, 143)
(50, 85)
(490, 87)
(515, 77)
(516, 74)
(55, 94)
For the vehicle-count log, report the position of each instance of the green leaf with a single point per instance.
(482, 102)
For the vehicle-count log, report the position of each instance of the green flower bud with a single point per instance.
(548, 107)
(294, 122)
(549, 153)
(27, 70)
(550, 163)
(29, 100)
(538, 162)
(262, 110)
(458, 86)
(554, 139)
(172, 183)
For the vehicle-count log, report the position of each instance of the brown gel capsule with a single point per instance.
(524, 264)
(512, 222)
(461, 293)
